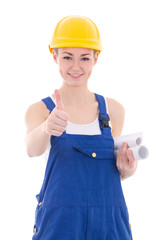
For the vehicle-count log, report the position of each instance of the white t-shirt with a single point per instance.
(85, 129)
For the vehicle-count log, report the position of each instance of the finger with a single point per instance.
(119, 155)
(59, 103)
(62, 115)
(122, 148)
(56, 127)
(124, 157)
(58, 115)
(130, 157)
(62, 122)
(56, 133)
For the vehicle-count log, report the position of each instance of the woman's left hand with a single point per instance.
(126, 163)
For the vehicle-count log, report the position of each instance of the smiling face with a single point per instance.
(75, 64)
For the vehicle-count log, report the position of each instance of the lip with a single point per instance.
(75, 75)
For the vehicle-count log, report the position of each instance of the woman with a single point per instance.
(81, 195)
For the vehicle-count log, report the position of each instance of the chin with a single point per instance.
(74, 82)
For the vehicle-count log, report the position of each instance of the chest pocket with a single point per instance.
(95, 152)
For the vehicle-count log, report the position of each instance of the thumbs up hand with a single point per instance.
(58, 119)
(59, 103)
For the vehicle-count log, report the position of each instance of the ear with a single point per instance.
(96, 57)
(55, 57)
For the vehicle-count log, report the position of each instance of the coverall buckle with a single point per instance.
(105, 121)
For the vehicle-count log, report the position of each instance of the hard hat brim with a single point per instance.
(73, 44)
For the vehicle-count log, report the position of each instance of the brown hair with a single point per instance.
(94, 51)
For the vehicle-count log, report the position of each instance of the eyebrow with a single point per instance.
(72, 54)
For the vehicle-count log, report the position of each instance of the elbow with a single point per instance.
(32, 149)
(33, 153)
(29, 150)
(30, 153)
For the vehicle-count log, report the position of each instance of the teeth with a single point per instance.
(75, 75)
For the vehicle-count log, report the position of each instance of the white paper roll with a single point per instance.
(139, 152)
(133, 140)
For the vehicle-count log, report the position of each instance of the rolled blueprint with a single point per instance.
(139, 152)
(133, 140)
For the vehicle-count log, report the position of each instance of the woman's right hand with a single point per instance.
(58, 119)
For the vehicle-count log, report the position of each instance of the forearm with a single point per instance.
(37, 141)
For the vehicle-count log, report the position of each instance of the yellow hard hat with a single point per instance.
(76, 31)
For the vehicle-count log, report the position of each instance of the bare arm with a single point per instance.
(41, 124)
(126, 165)
(36, 137)
(117, 114)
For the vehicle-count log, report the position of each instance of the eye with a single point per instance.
(85, 59)
(67, 58)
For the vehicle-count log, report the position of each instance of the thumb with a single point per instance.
(59, 103)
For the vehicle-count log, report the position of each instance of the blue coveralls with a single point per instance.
(81, 197)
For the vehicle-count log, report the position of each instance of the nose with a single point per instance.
(76, 66)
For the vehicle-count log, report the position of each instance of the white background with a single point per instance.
(128, 71)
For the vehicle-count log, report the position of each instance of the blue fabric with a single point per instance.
(49, 103)
(81, 194)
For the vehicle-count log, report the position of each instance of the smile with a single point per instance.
(75, 75)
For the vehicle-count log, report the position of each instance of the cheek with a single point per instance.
(88, 67)
(63, 66)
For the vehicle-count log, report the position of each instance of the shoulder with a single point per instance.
(117, 114)
(37, 108)
(35, 115)
(115, 108)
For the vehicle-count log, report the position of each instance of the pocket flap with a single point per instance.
(95, 152)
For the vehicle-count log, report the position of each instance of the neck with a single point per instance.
(76, 95)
